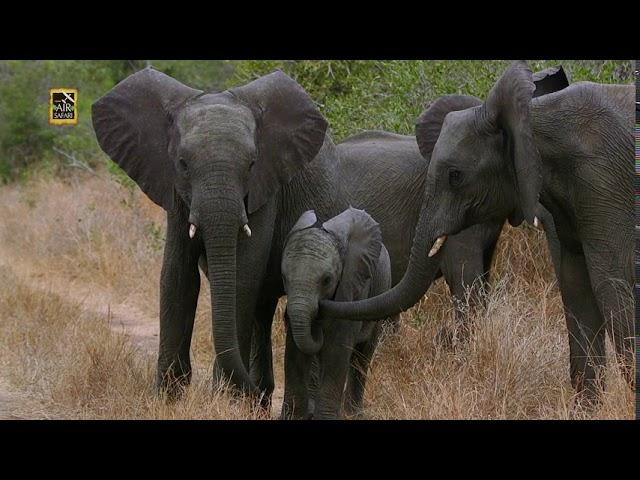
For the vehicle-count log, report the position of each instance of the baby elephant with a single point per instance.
(341, 259)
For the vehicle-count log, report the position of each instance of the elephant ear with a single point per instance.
(550, 80)
(507, 109)
(306, 220)
(360, 240)
(430, 122)
(290, 131)
(132, 123)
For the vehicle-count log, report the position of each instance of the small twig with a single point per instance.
(74, 162)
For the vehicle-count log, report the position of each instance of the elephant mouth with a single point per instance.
(193, 227)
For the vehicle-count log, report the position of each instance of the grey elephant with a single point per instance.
(344, 259)
(234, 170)
(386, 173)
(571, 152)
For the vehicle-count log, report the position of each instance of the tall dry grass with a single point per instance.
(95, 231)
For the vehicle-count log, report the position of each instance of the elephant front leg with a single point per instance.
(585, 325)
(297, 371)
(179, 289)
(616, 302)
(335, 362)
(464, 272)
(261, 369)
(360, 362)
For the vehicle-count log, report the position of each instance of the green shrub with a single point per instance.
(354, 95)
(389, 95)
(29, 145)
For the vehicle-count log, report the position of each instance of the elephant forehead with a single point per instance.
(228, 120)
(314, 246)
(457, 134)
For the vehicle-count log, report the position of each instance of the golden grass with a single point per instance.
(93, 230)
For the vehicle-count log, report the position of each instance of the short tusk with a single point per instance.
(536, 222)
(437, 245)
(192, 230)
(246, 230)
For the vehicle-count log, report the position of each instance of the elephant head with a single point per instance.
(334, 260)
(484, 166)
(218, 157)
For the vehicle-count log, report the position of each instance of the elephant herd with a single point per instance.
(261, 199)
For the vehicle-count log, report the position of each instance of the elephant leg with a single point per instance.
(335, 362)
(297, 369)
(261, 365)
(585, 325)
(615, 299)
(487, 258)
(464, 276)
(360, 361)
(179, 289)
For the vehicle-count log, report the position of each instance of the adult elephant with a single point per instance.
(234, 172)
(387, 174)
(570, 151)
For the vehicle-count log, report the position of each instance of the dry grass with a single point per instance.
(95, 231)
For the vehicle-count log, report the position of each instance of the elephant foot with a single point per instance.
(588, 396)
(585, 403)
(354, 412)
(172, 388)
(289, 412)
(449, 338)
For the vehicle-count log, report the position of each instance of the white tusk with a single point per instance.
(192, 230)
(246, 230)
(536, 222)
(437, 245)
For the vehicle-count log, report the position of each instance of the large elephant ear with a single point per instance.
(507, 109)
(290, 131)
(550, 80)
(132, 124)
(360, 239)
(429, 123)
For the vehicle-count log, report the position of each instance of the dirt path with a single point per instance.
(123, 317)
(16, 405)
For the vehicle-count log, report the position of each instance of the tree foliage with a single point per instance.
(354, 95)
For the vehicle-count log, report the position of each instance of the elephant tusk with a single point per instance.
(437, 245)
(246, 230)
(536, 222)
(192, 230)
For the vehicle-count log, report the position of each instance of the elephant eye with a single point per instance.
(326, 280)
(455, 177)
(183, 164)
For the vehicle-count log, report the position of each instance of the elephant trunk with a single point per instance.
(308, 338)
(220, 226)
(424, 263)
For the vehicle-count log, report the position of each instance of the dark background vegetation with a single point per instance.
(353, 94)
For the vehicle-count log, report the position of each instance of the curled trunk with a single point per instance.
(301, 317)
(420, 273)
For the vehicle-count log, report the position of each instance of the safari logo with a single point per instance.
(63, 106)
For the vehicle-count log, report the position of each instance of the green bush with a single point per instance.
(389, 95)
(28, 142)
(354, 95)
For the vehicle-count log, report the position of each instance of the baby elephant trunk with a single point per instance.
(307, 334)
